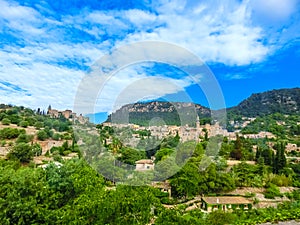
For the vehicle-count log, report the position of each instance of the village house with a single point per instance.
(67, 113)
(144, 165)
(225, 203)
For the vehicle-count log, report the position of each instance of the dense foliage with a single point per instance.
(285, 101)
(74, 193)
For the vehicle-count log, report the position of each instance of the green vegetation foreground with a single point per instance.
(75, 194)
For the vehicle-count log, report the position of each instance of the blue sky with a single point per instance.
(47, 47)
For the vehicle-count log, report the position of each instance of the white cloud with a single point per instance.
(274, 9)
(22, 19)
(47, 83)
(13, 11)
(222, 34)
(140, 18)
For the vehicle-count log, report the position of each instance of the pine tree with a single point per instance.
(49, 108)
(279, 159)
(258, 154)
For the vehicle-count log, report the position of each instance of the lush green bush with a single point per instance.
(22, 152)
(11, 133)
(24, 124)
(24, 138)
(5, 121)
(42, 135)
(272, 191)
(56, 136)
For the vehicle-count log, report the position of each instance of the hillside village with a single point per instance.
(188, 133)
(201, 168)
(49, 131)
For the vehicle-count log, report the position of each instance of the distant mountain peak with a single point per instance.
(172, 113)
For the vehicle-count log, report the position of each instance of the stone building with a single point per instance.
(225, 203)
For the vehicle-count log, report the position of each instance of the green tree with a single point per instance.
(38, 125)
(161, 154)
(42, 135)
(130, 155)
(22, 151)
(24, 138)
(56, 136)
(6, 121)
(24, 124)
(237, 151)
(280, 159)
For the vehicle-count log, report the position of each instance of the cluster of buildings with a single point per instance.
(68, 114)
(209, 204)
(188, 133)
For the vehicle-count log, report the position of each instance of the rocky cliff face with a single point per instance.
(285, 101)
(170, 112)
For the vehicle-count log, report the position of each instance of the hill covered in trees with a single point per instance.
(285, 101)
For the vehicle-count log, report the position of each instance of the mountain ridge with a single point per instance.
(285, 100)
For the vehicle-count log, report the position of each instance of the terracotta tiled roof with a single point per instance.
(226, 200)
(144, 161)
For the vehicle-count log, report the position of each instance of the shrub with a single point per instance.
(24, 124)
(56, 136)
(3, 143)
(281, 180)
(272, 191)
(11, 133)
(42, 135)
(6, 121)
(38, 125)
(22, 152)
(24, 138)
(67, 152)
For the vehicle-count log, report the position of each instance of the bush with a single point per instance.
(24, 138)
(295, 195)
(55, 149)
(11, 133)
(42, 135)
(24, 124)
(22, 152)
(36, 149)
(57, 157)
(249, 195)
(220, 218)
(6, 121)
(56, 136)
(272, 191)
(38, 125)
(67, 152)
(281, 180)
(3, 143)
